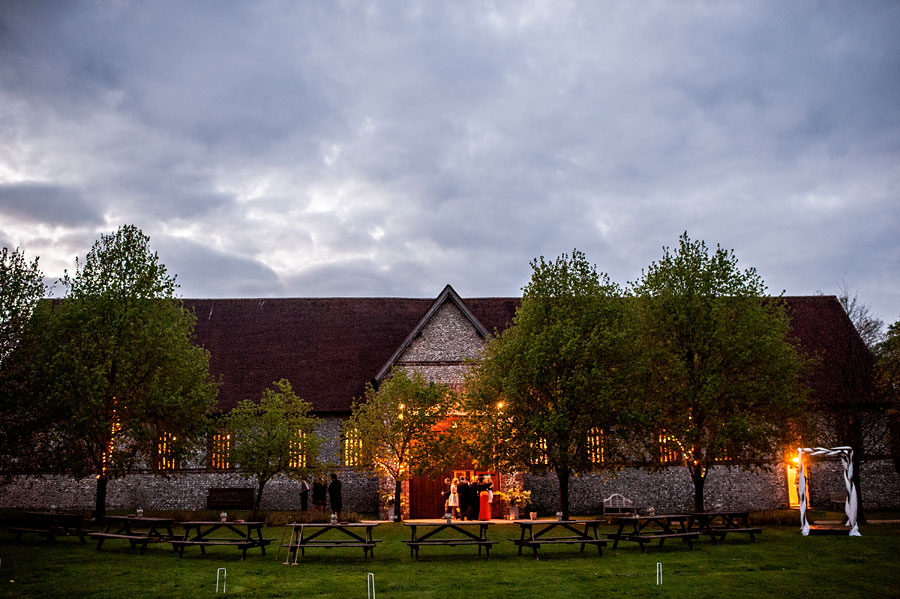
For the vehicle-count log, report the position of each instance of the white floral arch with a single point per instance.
(850, 503)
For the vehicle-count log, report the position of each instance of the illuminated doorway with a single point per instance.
(792, 469)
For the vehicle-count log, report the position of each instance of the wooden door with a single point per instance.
(426, 498)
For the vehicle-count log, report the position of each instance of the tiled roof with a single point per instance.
(328, 348)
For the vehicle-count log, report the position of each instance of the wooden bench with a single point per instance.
(718, 524)
(619, 504)
(718, 533)
(49, 533)
(240, 544)
(643, 539)
(134, 540)
(367, 546)
(231, 498)
(49, 525)
(536, 543)
(582, 532)
(308, 535)
(486, 543)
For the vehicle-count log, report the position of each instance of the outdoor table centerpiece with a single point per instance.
(517, 498)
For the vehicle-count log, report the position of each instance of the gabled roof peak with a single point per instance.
(447, 295)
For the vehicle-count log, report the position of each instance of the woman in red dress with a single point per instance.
(484, 513)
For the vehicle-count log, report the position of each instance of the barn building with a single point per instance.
(330, 348)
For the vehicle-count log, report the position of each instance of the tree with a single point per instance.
(21, 286)
(277, 435)
(723, 382)
(114, 379)
(888, 354)
(552, 390)
(856, 415)
(395, 428)
(866, 324)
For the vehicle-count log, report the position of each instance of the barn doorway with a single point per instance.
(426, 494)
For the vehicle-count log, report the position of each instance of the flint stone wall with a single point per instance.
(667, 491)
(447, 337)
(879, 484)
(188, 489)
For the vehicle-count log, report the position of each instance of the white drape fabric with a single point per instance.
(850, 503)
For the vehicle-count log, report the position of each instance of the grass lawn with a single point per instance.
(780, 564)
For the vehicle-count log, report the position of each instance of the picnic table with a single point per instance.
(136, 530)
(50, 525)
(307, 535)
(199, 534)
(530, 537)
(719, 524)
(645, 529)
(465, 530)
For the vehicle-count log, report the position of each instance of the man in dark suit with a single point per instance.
(474, 502)
(462, 489)
(334, 494)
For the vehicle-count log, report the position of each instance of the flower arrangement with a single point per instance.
(518, 496)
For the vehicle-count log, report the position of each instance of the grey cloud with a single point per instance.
(204, 272)
(486, 134)
(47, 203)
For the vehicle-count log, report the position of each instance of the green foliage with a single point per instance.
(271, 434)
(396, 426)
(557, 377)
(21, 286)
(113, 366)
(888, 354)
(724, 377)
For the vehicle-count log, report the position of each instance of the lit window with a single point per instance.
(298, 451)
(541, 456)
(595, 445)
(669, 449)
(351, 449)
(220, 451)
(165, 454)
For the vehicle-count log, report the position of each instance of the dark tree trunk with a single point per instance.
(698, 476)
(398, 494)
(259, 491)
(100, 501)
(563, 475)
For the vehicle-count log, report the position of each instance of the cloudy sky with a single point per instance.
(356, 148)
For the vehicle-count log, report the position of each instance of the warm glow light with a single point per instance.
(499, 405)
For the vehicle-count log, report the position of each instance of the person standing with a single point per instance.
(454, 498)
(319, 494)
(304, 495)
(473, 499)
(484, 511)
(445, 494)
(334, 494)
(462, 490)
